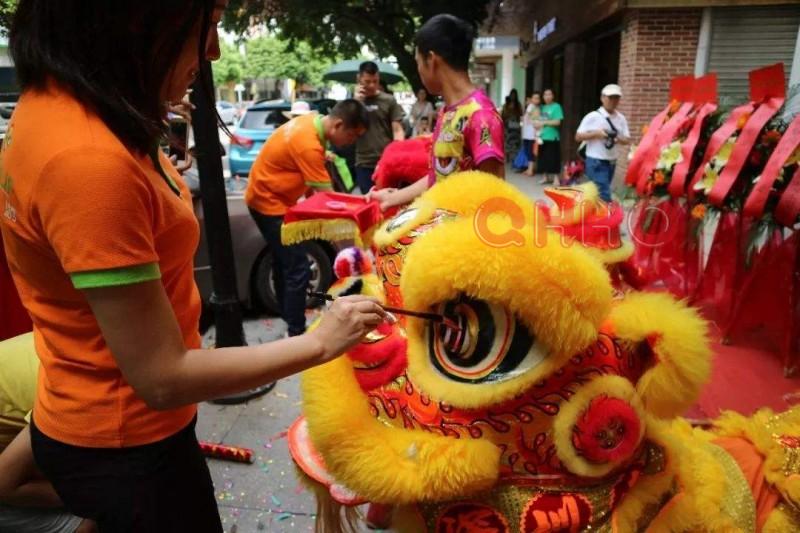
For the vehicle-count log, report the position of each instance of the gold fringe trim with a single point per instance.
(335, 229)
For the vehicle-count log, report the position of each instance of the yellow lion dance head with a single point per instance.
(540, 402)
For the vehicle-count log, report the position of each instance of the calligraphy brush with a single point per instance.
(433, 317)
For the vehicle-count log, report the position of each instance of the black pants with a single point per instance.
(292, 272)
(160, 487)
(364, 178)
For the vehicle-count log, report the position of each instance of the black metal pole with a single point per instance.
(224, 300)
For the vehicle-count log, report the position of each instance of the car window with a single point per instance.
(261, 119)
(225, 105)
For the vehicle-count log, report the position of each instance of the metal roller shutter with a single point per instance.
(746, 38)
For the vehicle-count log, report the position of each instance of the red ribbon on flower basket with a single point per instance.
(764, 311)
(705, 95)
(767, 86)
(723, 271)
(332, 216)
(788, 208)
(757, 200)
(665, 136)
(718, 139)
(646, 155)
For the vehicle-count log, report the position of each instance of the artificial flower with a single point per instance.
(670, 156)
(699, 211)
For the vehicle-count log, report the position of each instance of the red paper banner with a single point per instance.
(681, 88)
(785, 148)
(747, 139)
(719, 137)
(705, 90)
(665, 136)
(767, 82)
(788, 208)
(679, 174)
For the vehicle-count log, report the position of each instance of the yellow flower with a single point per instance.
(670, 156)
(724, 154)
(710, 176)
(794, 158)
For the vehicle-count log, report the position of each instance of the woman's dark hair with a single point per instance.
(114, 57)
(352, 113)
(449, 37)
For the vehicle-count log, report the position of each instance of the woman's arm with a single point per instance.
(141, 330)
(21, 483)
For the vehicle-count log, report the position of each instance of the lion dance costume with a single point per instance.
(543, 402)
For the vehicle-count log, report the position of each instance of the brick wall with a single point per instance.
(657, 45)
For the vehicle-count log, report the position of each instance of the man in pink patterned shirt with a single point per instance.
(469, 131)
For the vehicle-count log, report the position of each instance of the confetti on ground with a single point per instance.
(284, 516)
(276, 501)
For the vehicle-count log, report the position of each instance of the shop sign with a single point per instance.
(540, 34)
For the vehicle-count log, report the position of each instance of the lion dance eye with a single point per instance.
(481, 342)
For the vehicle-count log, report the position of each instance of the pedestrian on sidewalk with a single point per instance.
(100, 238)
(292, 164)
(468, 134)
(385, 123)
(511, 114)
(602, 130)
(530, 133)
(421, 113)
(551, 115)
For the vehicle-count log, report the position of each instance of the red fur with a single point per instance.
(602, 414)
(403, 163)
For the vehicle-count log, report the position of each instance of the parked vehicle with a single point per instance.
(253, 130)
(254, 275)
(227, 112)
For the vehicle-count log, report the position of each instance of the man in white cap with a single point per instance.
(602, 130)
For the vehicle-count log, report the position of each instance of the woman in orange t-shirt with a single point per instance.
(100, 237)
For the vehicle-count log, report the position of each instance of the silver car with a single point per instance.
(254, 272)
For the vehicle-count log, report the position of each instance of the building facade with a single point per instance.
(576, 47)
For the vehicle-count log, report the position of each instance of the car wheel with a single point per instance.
(264, 292)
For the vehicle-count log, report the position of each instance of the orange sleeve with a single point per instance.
(95, 209)
(311, 163)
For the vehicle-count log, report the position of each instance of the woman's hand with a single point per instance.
(345, 323)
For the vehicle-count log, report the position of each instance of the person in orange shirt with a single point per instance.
(100, 236)
(292, 164)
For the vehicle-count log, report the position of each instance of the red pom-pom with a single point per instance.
(608, 431)
(352, 262)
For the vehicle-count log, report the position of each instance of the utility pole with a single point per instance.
(224, 299)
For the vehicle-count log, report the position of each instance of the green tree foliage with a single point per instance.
(7, 8)
(341, 27)
(271, 57)
(230, 68)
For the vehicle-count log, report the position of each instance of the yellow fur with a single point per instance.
(763, 430)
(385, 464)
(782, 520)
(560, 294)
(681, 347)
(610, 386)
